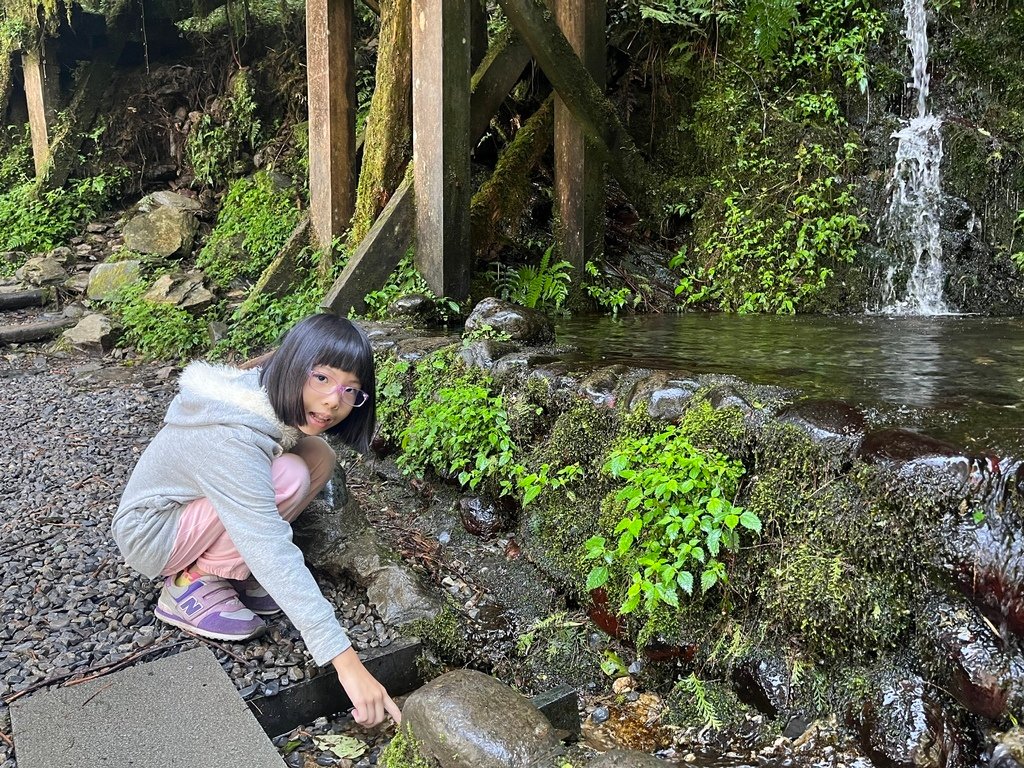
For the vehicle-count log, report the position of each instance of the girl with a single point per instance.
(209, 505)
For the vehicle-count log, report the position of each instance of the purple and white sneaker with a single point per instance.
(210, 607)
(255, 597)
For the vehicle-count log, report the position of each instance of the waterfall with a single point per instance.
(910, 225)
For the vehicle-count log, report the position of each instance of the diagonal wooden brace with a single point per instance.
(585, 100)
(391, 236)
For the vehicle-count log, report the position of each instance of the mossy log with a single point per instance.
(387, 146)
(502, 199)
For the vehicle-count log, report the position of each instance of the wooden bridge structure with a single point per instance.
(452, 106)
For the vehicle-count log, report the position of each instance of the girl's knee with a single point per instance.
(291, 476)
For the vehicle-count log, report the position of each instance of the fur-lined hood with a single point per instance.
(221, 394)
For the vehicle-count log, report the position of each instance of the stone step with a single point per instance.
(176, 712)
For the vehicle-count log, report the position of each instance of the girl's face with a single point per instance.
(328, 396)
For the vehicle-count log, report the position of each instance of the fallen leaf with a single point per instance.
(341, 746)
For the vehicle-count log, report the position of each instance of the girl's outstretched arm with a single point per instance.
(369, 699)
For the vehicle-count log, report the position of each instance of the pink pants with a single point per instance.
(201, 540)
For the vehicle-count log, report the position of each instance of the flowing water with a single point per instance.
(958, 378)
(910, 225)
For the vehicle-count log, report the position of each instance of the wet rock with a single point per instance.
(483, 353)
(1009, 750)
(727, 396)
(903, 727)
(605, 386)
(970, 662)
(664, 396)
(483, 517)
(164, 231)
(399, 597)
(627, 758)
(825, 420)
(105, 280)
(415, 306)
(763, 684)
(414, 349)
(186, 290)
(903, 445)
(165, 198)
(94, 334)
(518, 323)
(466, 719)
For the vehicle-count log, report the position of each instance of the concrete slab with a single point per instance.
(177, 712)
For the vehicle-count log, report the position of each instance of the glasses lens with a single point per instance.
(353, 397)
(321, 383)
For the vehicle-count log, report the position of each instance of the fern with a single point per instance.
(695, 687)
(540, 287)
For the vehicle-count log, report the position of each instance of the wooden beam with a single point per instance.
(582, 96)
(392, 234)
(330, 74)
(440, 140)
(42, 92)
(579, 162)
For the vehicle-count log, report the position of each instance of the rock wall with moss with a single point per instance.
(775, 121)
(739, 534)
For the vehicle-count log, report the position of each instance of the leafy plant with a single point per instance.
(457, 427)
(609, 299)
(406, 280)
(156, 329)
(33, 222)
(699, 699)
(256, 219)
(533, 483)
(543, 286)
(675, 519)
(215, 143)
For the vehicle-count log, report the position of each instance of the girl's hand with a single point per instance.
(369, 699)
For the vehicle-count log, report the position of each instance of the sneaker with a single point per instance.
(255, 597)
(209, 607)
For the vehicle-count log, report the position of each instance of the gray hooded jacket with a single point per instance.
(219, 437)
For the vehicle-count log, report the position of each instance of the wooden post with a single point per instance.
(440, 130)
(330, 76)
(42, 93)
(392, 234)
(579, 164)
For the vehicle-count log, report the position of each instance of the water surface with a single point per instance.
(960, 378)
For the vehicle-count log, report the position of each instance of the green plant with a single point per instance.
(158, 330)
(406, 280)
(779, 241)
(551, 626)
(256, 219)
(532, 483)
(457, 427)
(215, 143)
(674, 518)
(34, 222)
(699, 699)
(1018, 256)
(544, 286)
(609, 299)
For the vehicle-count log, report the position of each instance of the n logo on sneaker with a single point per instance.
(190, 606)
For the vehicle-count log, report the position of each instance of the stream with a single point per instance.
(959, 378)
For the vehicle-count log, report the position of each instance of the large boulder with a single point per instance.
(106, 280)
(518, 323)
(186, 290)
(466, 719)
(94, 334)
(162, 232)
(42, 270)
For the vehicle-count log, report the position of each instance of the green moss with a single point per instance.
(403, 751)
(444, 633)
(721, 429)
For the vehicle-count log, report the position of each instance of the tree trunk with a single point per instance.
(387, 145)
(503, 197)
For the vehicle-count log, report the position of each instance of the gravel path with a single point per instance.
(71, 431)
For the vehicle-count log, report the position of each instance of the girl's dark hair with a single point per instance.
(332, 341)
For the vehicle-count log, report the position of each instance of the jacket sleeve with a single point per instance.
(243, 496)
